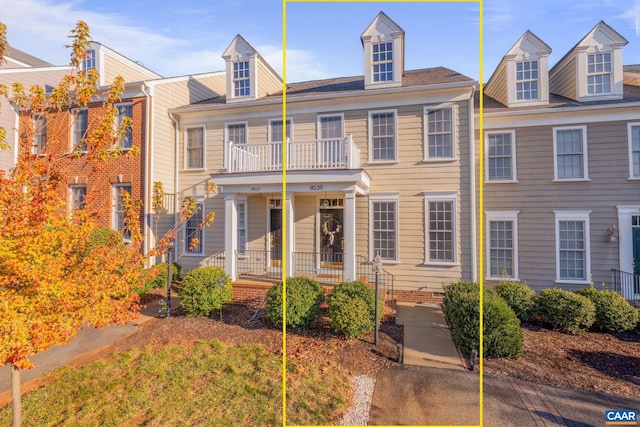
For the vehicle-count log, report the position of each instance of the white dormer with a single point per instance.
(383, 43)
(527, 72)
(242, 81)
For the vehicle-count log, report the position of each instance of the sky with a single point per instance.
(322, 38)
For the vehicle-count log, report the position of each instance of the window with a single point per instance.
(439, 128)
(40, 133)
(598, 73)
(383, 62)
(527, 80)
(124, 110)
(573, 262)
(502, 245)
(77, 196)
(331, 127)
(384, 226)
(119, 220)
(634, 150)
(194, 233)
(242, 226)
(382, 127)
(89, 61)
(241, 81)
(331, 131)
(80, 126)
(275, 135)
(194, 148)
(440, 211)
(237, 133)
(500, 151)
(570, 153)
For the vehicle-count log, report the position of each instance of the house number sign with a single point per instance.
(316, 187)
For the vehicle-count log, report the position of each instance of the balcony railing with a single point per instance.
(337, 153)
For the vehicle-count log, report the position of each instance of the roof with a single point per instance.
(18, 55)
(634, 68)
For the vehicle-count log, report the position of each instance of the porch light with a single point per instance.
(612, 231)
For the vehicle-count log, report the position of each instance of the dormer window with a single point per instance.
(382, 62)
(598, 73)
(241, 81)
(527, 80)
(89, 61)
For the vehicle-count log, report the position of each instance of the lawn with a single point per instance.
(206, 383)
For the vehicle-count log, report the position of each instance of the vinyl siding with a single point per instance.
(267, 82)
(497, 86)
(113, 67)
(563, 82)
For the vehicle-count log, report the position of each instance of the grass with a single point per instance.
(207, 383)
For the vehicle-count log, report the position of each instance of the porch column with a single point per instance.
(230, 235)
(288, 242)
(350, 235)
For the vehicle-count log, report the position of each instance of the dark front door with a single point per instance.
(331, 238)
(275, 236)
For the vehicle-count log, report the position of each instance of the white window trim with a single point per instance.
(71, 201)
(36, 118)
(516, 81)
(454, 134)
(441, 196)
(73, 129)
(242, 200)
(514, 173)
(370, 131)
(494, 216)
(289, 127)
(200, 201)
(237, 80)
(324, 116)
(225, 139)
(610, 73)
(186, 148)
(116, 125)
(115, 189)
(385, 197)
(585, 156)
(630, 126)
(574, 216)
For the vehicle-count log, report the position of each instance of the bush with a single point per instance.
(522, 299)
(304, 296)
(357, 289)
(159, 279)
(205, 290)
(350, 315)
(502, 336)
(613, 313)
(567, 311)
(101, 237)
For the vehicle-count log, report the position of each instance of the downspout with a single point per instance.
(176, 205)
(148, 162)
(472, 184)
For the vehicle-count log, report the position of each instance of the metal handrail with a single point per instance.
(627, 284)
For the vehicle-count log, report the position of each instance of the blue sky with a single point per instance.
(323, 39)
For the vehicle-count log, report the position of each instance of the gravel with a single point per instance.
(358, 412)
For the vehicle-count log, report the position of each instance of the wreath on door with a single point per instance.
(329, 229)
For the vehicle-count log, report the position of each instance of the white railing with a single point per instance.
(337, 153)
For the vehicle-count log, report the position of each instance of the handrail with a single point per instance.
(627, 284)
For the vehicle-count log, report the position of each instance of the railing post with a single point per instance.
(227, 155)
(349, 142)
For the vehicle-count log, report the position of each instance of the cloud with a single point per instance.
(302, 65)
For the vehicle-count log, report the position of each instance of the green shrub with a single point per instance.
(567, 311)
(502, 335)
(101, 237)
(304, 296)
(205, 290)
(159, 280)
(357, 289)
(350, 315)
(522, 299)
(613, 313)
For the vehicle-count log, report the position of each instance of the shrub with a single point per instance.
(522, 299)
(357, 289)
(159, 278)
(567, 311)
(350, 315)
(502, 336)
(101, 237)
(205, 290)
(613, 313)
(304, 296)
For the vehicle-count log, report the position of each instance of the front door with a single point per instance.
(275, 236)
(331, 238)
(636, 250)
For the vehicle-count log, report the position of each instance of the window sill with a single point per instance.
(440, 160)
(500, 181)
(572, 180)
(633, 178)
(389, 262)
(192, 254)
(497, 279)
(195, 170)
(383, 162)
(572, 282)
(440, 264)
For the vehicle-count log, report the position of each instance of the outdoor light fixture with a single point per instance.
(612, 231)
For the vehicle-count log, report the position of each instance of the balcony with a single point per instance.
(317, 154)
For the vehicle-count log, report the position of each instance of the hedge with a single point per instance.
(522, 299)
(567, 311)
(304, 296)
(613, 313)
(205, 290)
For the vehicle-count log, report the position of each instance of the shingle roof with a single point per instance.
(21, 56)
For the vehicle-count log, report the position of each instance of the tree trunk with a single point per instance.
(16, 402)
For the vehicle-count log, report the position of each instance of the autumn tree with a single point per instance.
(53, 278)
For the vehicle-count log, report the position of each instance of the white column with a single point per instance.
(230, 235)
(349, 235)
(288, 242)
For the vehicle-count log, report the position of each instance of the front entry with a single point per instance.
(331, 233)
(275, 236)
(636, 250)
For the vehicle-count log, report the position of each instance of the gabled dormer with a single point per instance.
(592, 70)
(110, 64)
(522, 77)
(383, 43)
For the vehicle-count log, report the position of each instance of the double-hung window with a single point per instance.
(194, 148)
(89, 61)
(124, 111)
(502, 245)
(241, 79)
(80, 119)
(440, 220)
(501, 154)
(193, 232)
(382, 62)
(634, 149)
(383, 135)
(599, 73)
(40, 133)
(573, 258)
(77, 196)
(384, 226)
(570, 153)
(118, 213)
(527, 80)
(439, 133)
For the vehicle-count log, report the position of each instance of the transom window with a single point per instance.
(80, 127)
(570, 153)
(383, 62)
(195, 148)
(241, 81)
(440, 133)
(384, 223)
(598, 73)
(526, 80)
(383, 136)
(440, 221)
(634, 150)
(500, 156)
(125, 110)
(119, 220)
